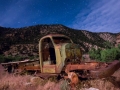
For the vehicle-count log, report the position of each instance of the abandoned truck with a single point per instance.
(59, 55)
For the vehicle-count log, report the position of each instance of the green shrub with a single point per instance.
(108, 54)
(95, 54)
(105, 55)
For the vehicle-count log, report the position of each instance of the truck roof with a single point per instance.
(55, 35)
(52, 35)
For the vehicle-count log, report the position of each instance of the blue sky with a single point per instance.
(91, 15)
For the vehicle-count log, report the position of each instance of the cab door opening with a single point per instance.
(48, 57)
(48, 52)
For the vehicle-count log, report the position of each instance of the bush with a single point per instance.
(106, 55)
(95, 54)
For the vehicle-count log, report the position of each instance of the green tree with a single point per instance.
(95, 54)
(109, 54)
(103, 55)
(118, 52)
(92, 53)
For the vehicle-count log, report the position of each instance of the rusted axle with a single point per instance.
(94, 69)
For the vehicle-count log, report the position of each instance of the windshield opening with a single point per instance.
(58, 40)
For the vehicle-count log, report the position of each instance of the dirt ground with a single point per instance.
(1, 68)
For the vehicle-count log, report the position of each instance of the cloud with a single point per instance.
(102, 16)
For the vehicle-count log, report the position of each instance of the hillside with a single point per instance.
(24, 41)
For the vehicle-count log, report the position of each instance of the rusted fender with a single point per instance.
(107, 71)
(81, 66)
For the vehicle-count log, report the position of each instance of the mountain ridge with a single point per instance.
(27, 36)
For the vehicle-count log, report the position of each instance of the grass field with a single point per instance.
(26, 82)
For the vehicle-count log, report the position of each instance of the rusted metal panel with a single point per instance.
(59, 68)
(59, 62)
(35, 67)
(73, 51)
(82, 66)
(49, 69)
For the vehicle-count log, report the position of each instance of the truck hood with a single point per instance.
(71, 52)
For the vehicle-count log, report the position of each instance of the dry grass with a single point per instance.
(18, 82)
(110, 83)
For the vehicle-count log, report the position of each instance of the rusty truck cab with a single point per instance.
(50, 54)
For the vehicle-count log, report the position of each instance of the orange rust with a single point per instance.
(82, 66)
(29, 68)
(72, 76)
